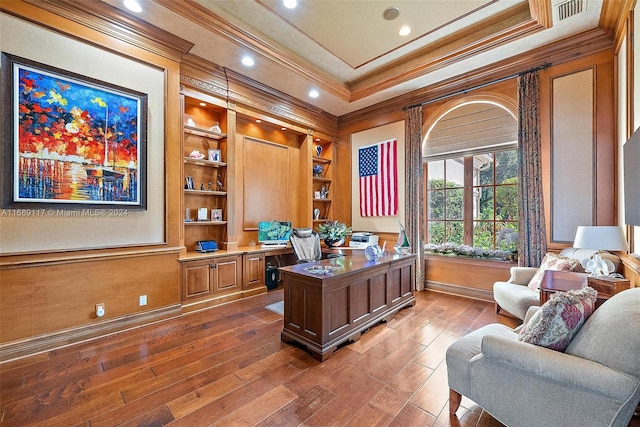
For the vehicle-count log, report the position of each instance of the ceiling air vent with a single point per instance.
(570, 8)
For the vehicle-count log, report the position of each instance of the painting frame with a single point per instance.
(70, 141)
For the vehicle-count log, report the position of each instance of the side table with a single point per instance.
(562, 281)
(608, 286)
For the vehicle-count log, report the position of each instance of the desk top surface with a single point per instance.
(341, 265)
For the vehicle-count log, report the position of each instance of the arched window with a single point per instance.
(470, 156)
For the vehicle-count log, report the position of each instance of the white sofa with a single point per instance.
(515, 297)
(594, 382)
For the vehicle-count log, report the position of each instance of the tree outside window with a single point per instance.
(487, 182)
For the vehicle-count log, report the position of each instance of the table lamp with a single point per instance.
(600, 238)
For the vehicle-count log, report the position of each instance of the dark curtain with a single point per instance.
(415, 193)
(533, 240)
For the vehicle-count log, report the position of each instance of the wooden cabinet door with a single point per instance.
(254, 273)
(227, 274)
(197, 280)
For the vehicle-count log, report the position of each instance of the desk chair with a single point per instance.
(306, 245)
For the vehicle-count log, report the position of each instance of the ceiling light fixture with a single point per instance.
(290, 4)
(202, 104)
(391, 13)
(314, 93)
(132, 5)
(283, 128)
(258, 121)
(248, 61)
(405, 30)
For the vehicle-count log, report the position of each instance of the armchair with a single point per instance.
(596, 381)
(515, 297)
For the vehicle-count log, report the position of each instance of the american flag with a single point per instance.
(378, 171)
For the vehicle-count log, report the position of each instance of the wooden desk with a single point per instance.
(322, 311)
(562, 281)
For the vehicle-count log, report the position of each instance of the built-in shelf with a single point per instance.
(321, 160)
(205, 192)
(204, 162)
(204, 132)
(205, 222)
(320, 179)
(322, 200)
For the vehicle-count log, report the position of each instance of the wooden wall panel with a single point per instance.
(48, 297)
(266, 182)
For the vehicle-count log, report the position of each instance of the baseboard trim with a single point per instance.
(463, 291)
(68, 337)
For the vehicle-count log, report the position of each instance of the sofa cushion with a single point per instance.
(559, 319)
(554, 262)
(615, 322)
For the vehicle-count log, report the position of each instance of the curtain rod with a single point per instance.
(449, 95)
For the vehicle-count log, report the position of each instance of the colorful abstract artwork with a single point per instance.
(75, 140)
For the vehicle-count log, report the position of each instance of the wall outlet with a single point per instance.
(100, 310)
(142, 300)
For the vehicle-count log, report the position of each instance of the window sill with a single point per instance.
(462, 259)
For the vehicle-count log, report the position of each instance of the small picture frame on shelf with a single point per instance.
(202, 214)
(216, 214)
(188, 183)
(214, 155)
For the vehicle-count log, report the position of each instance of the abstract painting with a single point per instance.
(70, 140)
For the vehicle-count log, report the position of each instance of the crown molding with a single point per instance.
(115, 23)
(613, 18)
(507, 26)
(203, 17)
(250, 94)
(570, 48)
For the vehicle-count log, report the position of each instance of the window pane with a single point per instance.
(483, 203)
(507, 237)
(455, 204)
(435, 174)
(483, 169)
(454, 232)
(436, 204)
(436, 232)
(454, 173)
(507, 202)
(507, 167)
(483, 234)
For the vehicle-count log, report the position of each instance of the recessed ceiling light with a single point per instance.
(202, 104)
(405, 30)
(391, 13)
(258, 121)
(283, 128)
(289, 4)
(132, 5)
(248, 61)
(314, 93)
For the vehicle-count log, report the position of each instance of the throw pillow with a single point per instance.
(554, 262)
(559, 319)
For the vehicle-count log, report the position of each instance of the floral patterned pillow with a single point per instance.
(559, 319)
(553, 262)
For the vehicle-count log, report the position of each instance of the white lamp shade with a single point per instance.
(601, 237)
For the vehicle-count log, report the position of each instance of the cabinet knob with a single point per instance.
(212, 266)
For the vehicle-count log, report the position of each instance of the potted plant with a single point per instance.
(333, 232)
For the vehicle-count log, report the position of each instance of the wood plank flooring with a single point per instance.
(226, 366)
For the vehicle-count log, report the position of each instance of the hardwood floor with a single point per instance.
(227, 366)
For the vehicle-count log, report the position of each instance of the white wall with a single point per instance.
(59, 232)
(368, 137)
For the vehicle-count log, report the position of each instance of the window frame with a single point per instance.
(468, 191)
